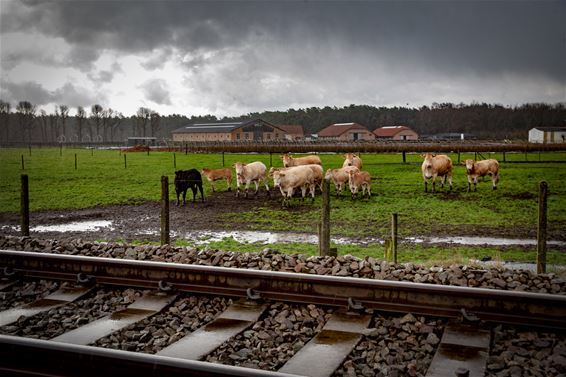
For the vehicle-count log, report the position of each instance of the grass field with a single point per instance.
(109, 177)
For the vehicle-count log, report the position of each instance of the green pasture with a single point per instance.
(102, 177)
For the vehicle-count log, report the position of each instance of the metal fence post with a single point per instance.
(165, 210)
(541, 229)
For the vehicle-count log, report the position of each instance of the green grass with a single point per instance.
(101, 178)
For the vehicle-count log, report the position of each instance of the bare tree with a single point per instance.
(5, 119)
(54, 125)
(26, 116)
(155, 122)
(96, 119)
(112, 121)
(63, 116)
(81, 121)
(142, 117)
(44, 125)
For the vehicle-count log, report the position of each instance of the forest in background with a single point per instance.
(23, 123)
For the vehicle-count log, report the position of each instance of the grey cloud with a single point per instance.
(101, 76)
(36, 94)
(156, 91)
(448, 35)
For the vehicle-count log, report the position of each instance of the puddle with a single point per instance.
(79, 226)
(480, 241)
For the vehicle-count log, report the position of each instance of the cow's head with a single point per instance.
(469, 165)
(329, 174)
(349, 159)
(427, 165)
(286, 158)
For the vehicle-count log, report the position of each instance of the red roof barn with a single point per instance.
(395, 133)
(346, 131)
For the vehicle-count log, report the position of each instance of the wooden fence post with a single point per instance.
(223, 159)
(541, 229)
(394, 236)
(165, 210)
(174, 161)
(75, 161)
(24, 207)
(404, 158)
(23, 165)
(125, 162)
(324, 234)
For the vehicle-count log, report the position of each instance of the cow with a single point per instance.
(339, 177)
(217, 174)
(289, 161)
(289, 179)
(185, 179)
(247, 173)
(359, 179)
(436, 166)
(316, 169)
(480, 169)
(351, 159)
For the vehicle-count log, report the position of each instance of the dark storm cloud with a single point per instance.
(485, 37)
(35, 93)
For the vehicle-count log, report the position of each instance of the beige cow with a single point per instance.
(316, 169)
(480, 169)
(213, 175)
(253, 172)
(289, 161)
(289, 179)
(339, 177)
(357, 180)
(436, 166)
(351, 159)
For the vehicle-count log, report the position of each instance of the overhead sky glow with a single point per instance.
(235, 57)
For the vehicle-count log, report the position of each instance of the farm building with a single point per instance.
(294, 131)
(547, 135)
(346, 132)
(249, 130)
(395, 133)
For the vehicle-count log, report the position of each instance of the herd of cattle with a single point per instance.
(306, 173)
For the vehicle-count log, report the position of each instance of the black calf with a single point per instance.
(185, 179)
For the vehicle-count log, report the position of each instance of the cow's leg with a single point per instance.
(247, 187)
(184, 196)
(177, 202)
(450, 180)
(266, 183)
(469, 183)
(237, 187)
(194, 190)
(201, 192)
(433, 183)
(229, 184)
(256, 187)
(212, 186)
(475, 183)
(494, 180)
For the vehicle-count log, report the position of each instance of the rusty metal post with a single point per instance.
(165, 210)
(394, 236)
(24, 207)
(541, 229)
(324, 236)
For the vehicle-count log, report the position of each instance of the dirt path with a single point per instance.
(142, 221)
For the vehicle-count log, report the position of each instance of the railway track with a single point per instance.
(92, 316)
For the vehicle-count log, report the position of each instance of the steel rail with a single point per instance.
(513, 307)
(47, 358)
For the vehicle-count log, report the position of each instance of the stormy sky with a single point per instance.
(231, 58)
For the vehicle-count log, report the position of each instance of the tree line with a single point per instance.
(25, 124)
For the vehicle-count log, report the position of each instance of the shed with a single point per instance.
(294, 131)
(396, 133)
(547, 135)
(346, 132)
(248, 130)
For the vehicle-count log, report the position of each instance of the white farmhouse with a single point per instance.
(547, 135)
